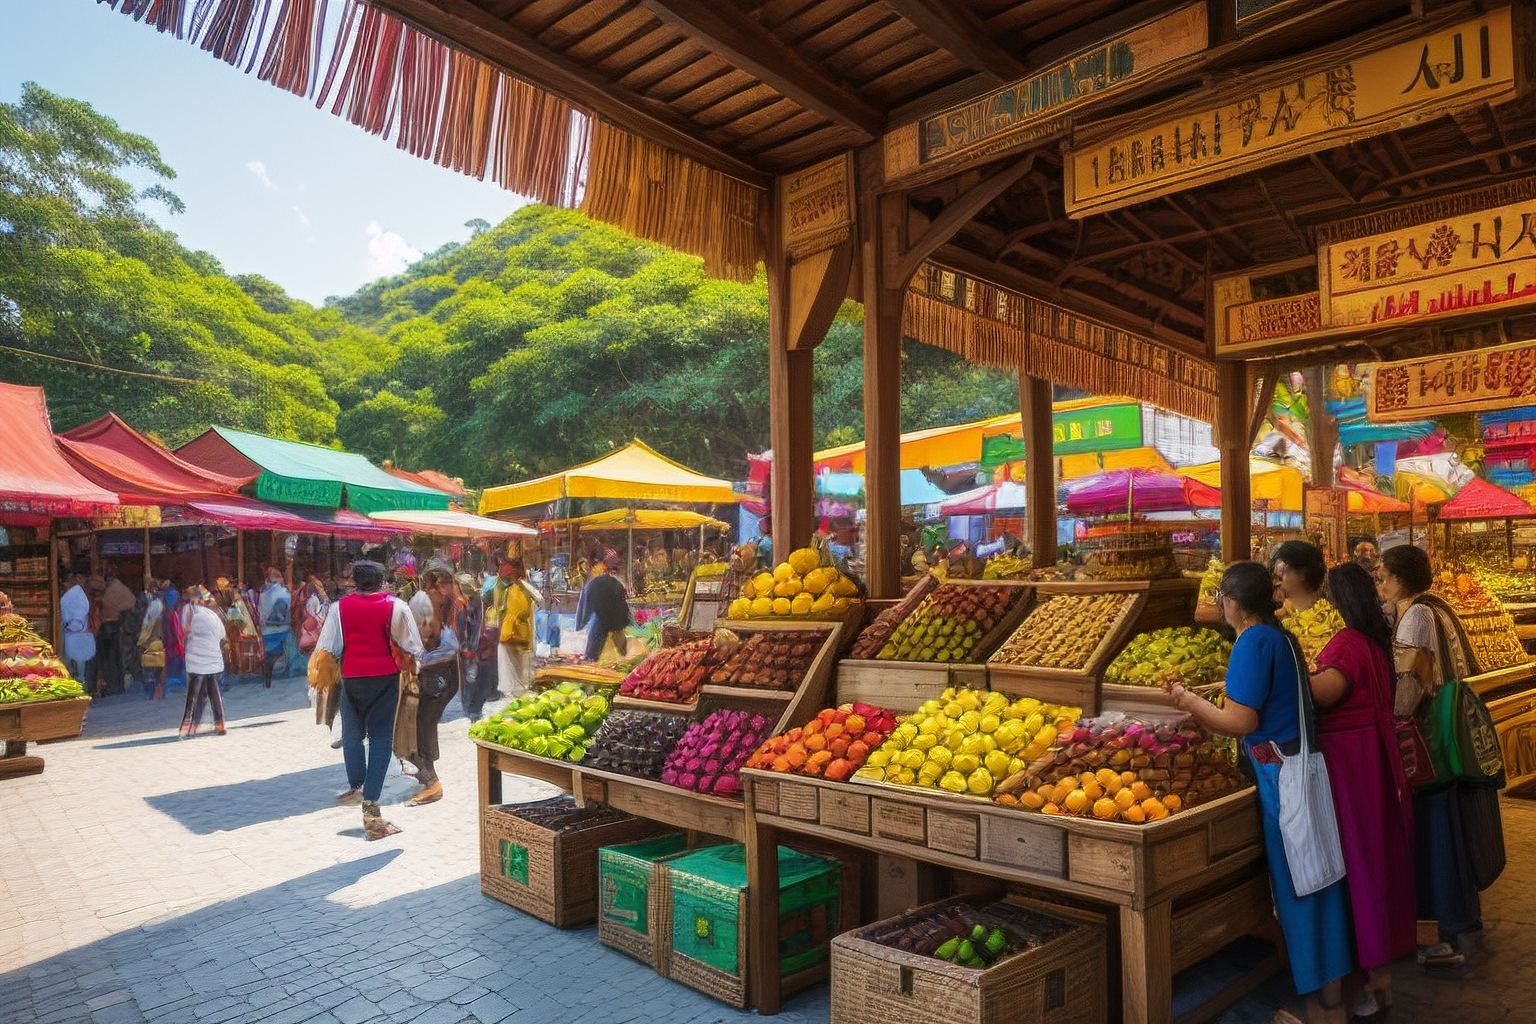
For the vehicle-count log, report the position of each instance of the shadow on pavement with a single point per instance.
(226, 808)
(134, 714)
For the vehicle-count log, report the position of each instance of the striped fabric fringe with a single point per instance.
(658, 194)
(450, 107)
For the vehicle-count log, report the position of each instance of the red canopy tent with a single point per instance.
(1483, 500)
(249, 514)
(35, 479)
(114, 455)
(428, 478)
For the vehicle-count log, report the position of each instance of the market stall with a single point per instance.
(665, 577)
(38, 699)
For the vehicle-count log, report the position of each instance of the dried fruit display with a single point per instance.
(964, 741)
(833, 745)
(1185, 654)
(768, 660)
(800, 585)
(1063, 631)
(1118, 769)
(1312, 627)
(635, 743)
(949, 623)
(556, 723)
(973, 934)
(709, 757)
(1005, 567)
(671, 674)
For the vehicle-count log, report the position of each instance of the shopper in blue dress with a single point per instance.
(1263, 683)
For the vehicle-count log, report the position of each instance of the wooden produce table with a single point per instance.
(1510, 694)
(26, 722)
(1176, 891)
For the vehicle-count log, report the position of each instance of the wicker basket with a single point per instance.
(547, 873)
(635, 915)
(711, 923)
(1059, 982)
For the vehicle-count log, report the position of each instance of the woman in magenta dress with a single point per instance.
(1354, 683)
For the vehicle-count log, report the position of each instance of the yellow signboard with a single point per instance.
(1489, 378)
(1359, 89)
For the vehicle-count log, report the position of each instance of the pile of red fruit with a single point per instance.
(709, 757)
(833, 745)
(671, 674)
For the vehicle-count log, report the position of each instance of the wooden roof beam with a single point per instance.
(740, 39)
(467, 27)
(1068, 269)
(955, 29)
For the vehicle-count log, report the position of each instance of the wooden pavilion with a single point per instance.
(1162, 199)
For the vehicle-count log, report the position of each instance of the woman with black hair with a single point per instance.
(1265, 681)
(1451, 818)
(1354, 688)
(1298, 570)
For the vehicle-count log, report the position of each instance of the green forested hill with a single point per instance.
(542, 341)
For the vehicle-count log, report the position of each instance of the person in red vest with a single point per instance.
(365, 632)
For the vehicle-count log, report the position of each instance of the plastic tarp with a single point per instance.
(1278, 484)
(1369, 502)
(35, 477)
(635, 472)
(993, 497)
(450, 523)
(113, 455)
(1141, 490)
(916, 488)
(920, 449)
(639, 519)
(249, 514)
(1089, 463)
(294, 473)
(1483, 500)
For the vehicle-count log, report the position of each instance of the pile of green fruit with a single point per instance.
(36, 688)
(1186, 654)
(559, 723)
(975, 935)
(949, 624)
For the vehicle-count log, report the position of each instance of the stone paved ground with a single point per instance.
(147, 879)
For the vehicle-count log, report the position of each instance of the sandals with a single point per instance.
(374, 825)
(349, 797)
(428, 795)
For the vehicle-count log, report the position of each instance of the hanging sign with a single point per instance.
(1103, 428)
(1031, 109)
(1359, 89)
(818, 210)
(1433, 259)
(1416, 389)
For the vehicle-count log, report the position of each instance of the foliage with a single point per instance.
(540, 342)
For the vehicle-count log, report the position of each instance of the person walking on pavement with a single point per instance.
(516, 637)
(116, 599)
(362, 632)
(79, 642)
(274, 607)
(206, 639)
(603, 610)
(152, 638)
(438, 679)
(473, 693)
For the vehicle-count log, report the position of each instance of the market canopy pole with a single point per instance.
(1039, 469)
(879, 243)
(1233, 408)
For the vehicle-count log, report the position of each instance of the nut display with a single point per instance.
(1063, 631)
(636, 743)
(965, 741)
(672, 673)
(768, 660)
(949, 623)
(1118, 769)
(833, 745)
(1185, 654)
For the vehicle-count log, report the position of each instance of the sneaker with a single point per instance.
(1440, 955)
(336, 743)
(349, 797)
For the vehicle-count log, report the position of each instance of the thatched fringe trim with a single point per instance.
(234, 30)
(164, 15)
(656, 193)
(1059, 346)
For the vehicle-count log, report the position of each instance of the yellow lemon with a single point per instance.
(761, 606)
(784, 571)
(979, 782)
(953, 781)
(803, 560)
(762, 584)
(781, 606)
(740, 608)
(801, 604)
(787, 588)
(997, 763)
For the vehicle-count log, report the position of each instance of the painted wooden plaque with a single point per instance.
(1489, 378)
(1361, 88)
(818, 206)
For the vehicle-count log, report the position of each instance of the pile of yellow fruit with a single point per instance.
(1312, 628)
(799, 585)
(966, 741)
(1210, 580)
(1005, 567)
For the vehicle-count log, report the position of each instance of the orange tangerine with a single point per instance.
(1109, 779)
(1106, 808)
(1061, 792)
(1050, 809)
(1134, 814)
(1154, 809)
(1076, 802)
(1128, 778)
(1141, 790)
(1173, 802)
(1085, 778)
(1031, 801)
(1093, 789)
(1125, 798)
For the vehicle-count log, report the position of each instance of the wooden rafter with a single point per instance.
(955, 29)
(746, 44)
(954, 215)
(505, 46)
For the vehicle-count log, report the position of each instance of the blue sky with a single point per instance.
(272, 185)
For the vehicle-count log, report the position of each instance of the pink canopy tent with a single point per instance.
(984, 500)
(1483, 500)
(1140, 490)
(35, 479)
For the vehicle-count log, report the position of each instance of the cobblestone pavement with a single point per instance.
(143, 878)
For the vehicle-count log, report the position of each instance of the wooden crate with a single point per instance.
(620, 866)
(551, 875)
(1075, 687)
(1059, 982)
(35, 721)
(789, 707)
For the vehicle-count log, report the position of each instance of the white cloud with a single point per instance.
(259, 169)
(303, 217)
(388, 253)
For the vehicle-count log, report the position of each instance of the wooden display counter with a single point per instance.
(1180, 889)
(1510, 694)
(33, 722)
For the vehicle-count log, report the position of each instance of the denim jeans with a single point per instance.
(368, 710)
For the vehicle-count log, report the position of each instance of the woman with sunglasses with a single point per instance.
(1264, 692)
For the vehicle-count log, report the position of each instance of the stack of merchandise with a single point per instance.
(29, 671)
(1128, 553)
(1490, 629)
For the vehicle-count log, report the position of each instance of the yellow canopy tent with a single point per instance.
(635, 472)
(1278, 484)
(638, 519)
(1089, 463)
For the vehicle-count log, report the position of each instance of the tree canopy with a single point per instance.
(542, 341)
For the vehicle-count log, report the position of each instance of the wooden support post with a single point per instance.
(489, 779)
(56, 625)
(763, 972)
(1322, 429)
(1146, 964)
(880, 229)
(1233, 409)
(240, 557)
(1040, 469)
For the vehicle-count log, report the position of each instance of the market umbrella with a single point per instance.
(1426, 479)
(1483, 500)
(1369, 502)
(1139, 491)
(993, 497)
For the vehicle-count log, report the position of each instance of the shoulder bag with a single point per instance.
(1309, 826)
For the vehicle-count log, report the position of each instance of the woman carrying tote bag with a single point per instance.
(1267, 707)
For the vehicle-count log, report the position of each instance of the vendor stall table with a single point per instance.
(32, 722)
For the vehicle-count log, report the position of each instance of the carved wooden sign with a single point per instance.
(1363, 87)
(1432, 259)
(1490, 378)
(818, 206)
(1031, 109)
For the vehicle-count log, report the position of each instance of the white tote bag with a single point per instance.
(1308, 824)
